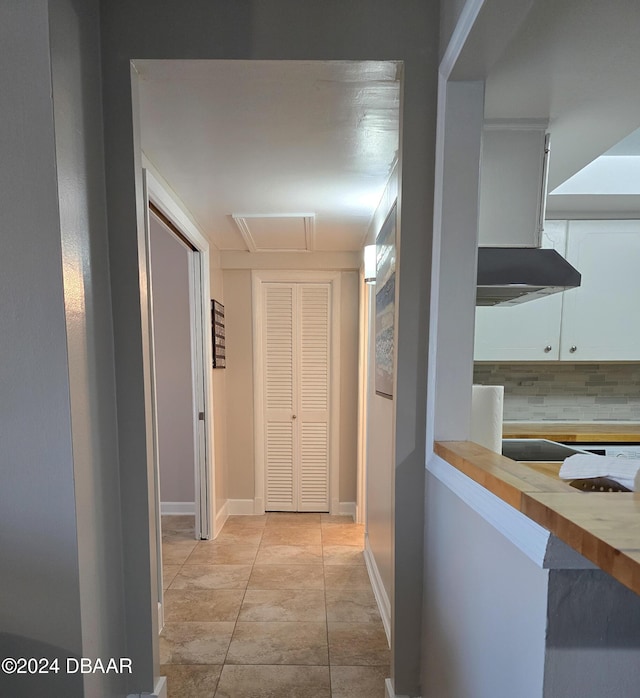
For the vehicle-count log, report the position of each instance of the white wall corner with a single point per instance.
(348, 509)
(388, 690)
(221, 516)
(382, 598)
(177, 508)
(241, 507)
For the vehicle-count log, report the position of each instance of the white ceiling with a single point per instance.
(311, 143)
(576, 63)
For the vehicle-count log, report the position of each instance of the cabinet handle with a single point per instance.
(548, 348)
(293, 417)
(573, 349)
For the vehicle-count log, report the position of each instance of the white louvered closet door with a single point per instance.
(296, 341)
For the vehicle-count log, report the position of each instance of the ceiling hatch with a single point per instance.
(278, 232)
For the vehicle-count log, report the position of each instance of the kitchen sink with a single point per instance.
(541, 450)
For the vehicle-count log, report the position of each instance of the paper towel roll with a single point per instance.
(486, 416)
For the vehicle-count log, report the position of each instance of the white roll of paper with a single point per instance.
(486, 416)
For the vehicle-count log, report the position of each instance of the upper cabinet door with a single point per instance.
(526, 332)
(512, 182)
(601, 319)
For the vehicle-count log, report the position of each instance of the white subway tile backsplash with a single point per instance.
(566, 392)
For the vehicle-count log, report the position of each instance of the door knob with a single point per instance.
(548, 348)
(573, 349)
(293, 417)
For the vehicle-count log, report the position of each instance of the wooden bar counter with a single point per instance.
(604, 527)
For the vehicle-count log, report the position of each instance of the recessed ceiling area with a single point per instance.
(577, 64)
(273, 155)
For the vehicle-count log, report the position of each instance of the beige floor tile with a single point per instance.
(292, 535)
(292, 517)
(328, 519)
(343, 535)
(279, 643)
(342, 555)
(168, 574)
(175, 552)
(246, 536)
(195, 643)
(202, 605)
(358, 681)
(286, 577)
(244, 522)
(283, 605)
(212, 577)
(289, 555)
(274, 682)
(358, 644)
(178, 522)
(191, 680)
(346, 577)
(212, 553)
(352, 606)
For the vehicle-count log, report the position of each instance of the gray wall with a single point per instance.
(485, 608)
(277, 29)
(60, 545)
(174, 382)
(593, 644)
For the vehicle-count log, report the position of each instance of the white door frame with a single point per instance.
(258, 277)
(199, 284)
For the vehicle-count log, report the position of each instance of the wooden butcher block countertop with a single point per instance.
(574, 432)
(602, 526)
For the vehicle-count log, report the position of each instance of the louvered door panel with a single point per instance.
(314, 467)
(279, 466)
(279, 362)
(296, 347)
(313, 391)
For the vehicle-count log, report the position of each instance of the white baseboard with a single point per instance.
(348, 509)
(221, 516)
(241, 507)
(160, 690)
(382, 598)
(177, 508)
(388, 690)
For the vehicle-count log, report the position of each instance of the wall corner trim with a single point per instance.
(382, 598)
(524, 533)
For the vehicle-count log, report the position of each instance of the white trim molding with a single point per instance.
(348, 509)
(524, 533)
(221, 516)
(241, 507)
(177, 508)
(382, 598)
(388, 690)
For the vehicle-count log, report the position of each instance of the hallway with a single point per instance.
(278, 605)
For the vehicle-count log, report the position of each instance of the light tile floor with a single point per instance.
(278, 606)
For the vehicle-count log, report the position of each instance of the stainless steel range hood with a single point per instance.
(512, 275)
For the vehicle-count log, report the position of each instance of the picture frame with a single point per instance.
(385, 305)
(218, 335)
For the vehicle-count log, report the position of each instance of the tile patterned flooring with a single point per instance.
(278, 606)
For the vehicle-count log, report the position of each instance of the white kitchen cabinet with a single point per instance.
(528, 331)
(512, 182)
(600, 321)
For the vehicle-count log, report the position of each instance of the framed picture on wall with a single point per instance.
(218, 345)
(385, 305)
